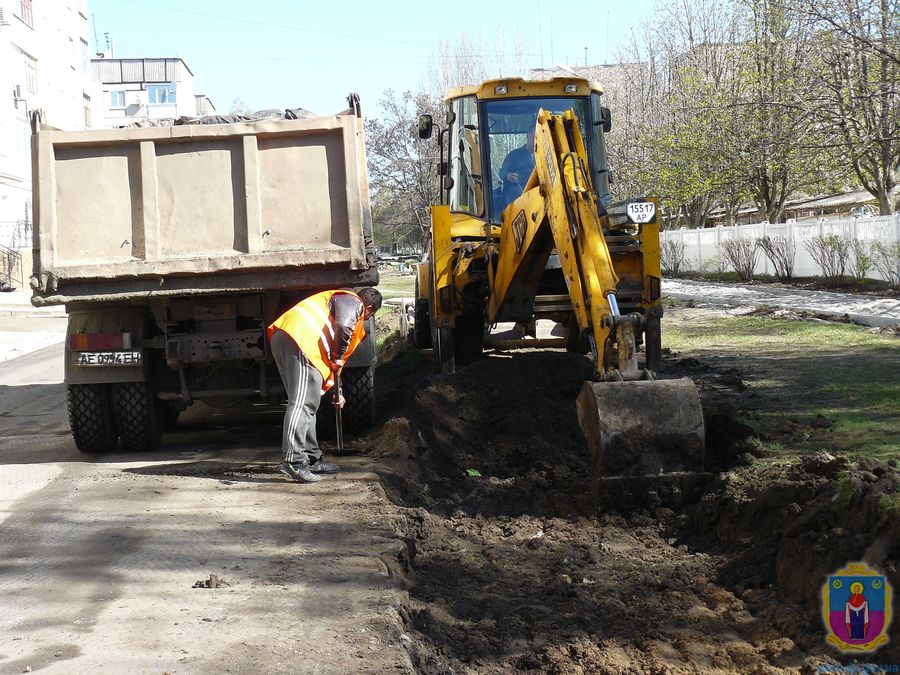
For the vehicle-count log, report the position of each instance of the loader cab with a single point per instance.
(490, 159)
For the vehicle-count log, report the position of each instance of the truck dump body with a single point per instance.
(197, 208)
(173, 248)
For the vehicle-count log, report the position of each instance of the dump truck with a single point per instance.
(174, 247)
(526, 231)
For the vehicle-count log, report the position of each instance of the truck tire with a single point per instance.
(422, 325)
(136, 411)
(359, 390)
(359, 410)
(91, 417)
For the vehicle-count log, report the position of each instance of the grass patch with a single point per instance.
(798, 371)
(397, 285)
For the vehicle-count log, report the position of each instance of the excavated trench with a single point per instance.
(509, 565)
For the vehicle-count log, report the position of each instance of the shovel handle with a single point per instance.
(337, 412)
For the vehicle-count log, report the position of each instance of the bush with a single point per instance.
(741, 253)
(713, 265)
(780, 251)
(862, 260)
(831, 253)
(671, 256)
(886, 259)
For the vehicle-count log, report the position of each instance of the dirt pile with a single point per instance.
(509, 567)
(783, 529)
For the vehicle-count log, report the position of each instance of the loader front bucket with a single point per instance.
(647, 441)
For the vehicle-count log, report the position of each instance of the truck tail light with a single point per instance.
(81, 342)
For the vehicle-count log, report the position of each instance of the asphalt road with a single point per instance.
(99, 555)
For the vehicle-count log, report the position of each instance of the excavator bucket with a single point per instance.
(646, 439)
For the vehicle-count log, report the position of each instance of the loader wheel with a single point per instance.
(91, 417)
(444, 349)
(422, 325)
(137, 416)
(468, 338)
(653, 345)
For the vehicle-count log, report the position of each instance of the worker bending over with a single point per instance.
(311, 342)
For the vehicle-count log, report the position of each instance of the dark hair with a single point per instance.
(370, 296)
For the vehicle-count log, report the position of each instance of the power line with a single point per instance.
(245, 21)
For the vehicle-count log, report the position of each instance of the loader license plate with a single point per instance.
(641, 212)
(108, 358)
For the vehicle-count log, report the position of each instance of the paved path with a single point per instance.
(868, 310)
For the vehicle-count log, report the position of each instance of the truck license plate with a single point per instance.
(107, 358)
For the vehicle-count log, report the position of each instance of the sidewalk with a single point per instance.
(25, 329)
(862, 309)
(18, 303)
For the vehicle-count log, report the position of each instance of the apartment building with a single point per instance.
(44, 65)
(138, 90)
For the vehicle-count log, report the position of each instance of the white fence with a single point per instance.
(702, 253)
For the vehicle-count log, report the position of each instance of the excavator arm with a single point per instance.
(558, 209)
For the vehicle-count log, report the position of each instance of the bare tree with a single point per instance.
(842, 17)
(472, 59)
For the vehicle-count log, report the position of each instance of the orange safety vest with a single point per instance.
(309, 325)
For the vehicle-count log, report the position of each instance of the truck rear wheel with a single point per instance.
(137, 416)
(91, 417)
(359, 410)
(359, 390)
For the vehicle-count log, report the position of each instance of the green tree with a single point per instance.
(402, 169)
(860, 104)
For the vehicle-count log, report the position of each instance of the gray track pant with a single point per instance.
(303, 384)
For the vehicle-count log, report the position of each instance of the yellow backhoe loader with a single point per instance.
(526, 231)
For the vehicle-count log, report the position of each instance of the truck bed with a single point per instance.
(200, 209)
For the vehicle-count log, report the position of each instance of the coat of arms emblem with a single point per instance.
(856, 606)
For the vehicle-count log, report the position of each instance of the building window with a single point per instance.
(160, 94)
(117, 99)
(85, 57)
(25, 12)
(30, 67)
(88, 123)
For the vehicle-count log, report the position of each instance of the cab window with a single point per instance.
(466, 192)
(598, 148)
(510, 128)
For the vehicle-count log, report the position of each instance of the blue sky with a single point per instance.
(277, 54)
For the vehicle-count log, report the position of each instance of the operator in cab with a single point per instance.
(517, 168)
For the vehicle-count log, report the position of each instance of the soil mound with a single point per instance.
(510, 567)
